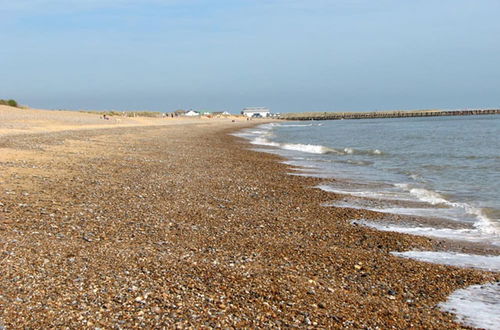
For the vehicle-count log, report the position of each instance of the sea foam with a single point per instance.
(308, 148)
(476, 306)
(262, 139)
(482, 223)
(490, 263)
(473, 235)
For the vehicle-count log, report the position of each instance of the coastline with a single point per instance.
(130, 227)
(17, 121)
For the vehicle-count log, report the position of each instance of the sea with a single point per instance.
(440, 173)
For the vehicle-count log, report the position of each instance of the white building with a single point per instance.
(192, 113)
(256, 112)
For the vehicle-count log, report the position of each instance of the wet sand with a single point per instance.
(182, 225)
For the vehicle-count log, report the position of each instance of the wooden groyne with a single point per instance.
(385, 114)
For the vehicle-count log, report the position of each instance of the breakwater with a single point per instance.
(385, 114)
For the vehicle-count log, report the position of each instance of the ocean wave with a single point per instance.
(428, 196)
(472, 235)
(442, 213)
(488, 262)
(258, 132)
(309, 148)
(385, 195)
(483, 222)
(353, 162)
(351, 151)
(318, 149)
(264, 142)
(260, 136)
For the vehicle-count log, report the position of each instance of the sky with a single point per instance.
(288, 55)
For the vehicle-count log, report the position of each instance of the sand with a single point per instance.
(182, 225)
(15, 121)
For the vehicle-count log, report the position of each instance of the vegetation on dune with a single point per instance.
(11, 103)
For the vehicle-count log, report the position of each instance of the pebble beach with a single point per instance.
(179, 224)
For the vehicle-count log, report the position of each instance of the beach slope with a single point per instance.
(183, 225)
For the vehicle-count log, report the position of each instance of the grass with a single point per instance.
(12, 103)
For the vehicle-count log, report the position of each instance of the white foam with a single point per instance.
(449, 214)
(444, 213)
(240, 134)
(267, 126)
(259, 136)
(476, 306)
(428, 196)
(264, 142)
(309, 148)
(490, 263)
(258, 132)
(251, 133)
(482, 223)
(351, 151)
(387, 195)
(473, 235)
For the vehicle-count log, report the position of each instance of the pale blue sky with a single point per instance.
(289, 55)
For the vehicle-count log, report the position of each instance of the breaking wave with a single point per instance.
(488, 262)
(472, 235)
(309, 148)
(483, 223)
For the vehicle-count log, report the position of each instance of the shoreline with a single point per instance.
(381, 214)
(129, 227)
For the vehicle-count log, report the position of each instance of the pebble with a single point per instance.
(173, 257)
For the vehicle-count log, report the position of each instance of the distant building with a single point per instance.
(256, 112)
(180, 112)
(192, 113)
